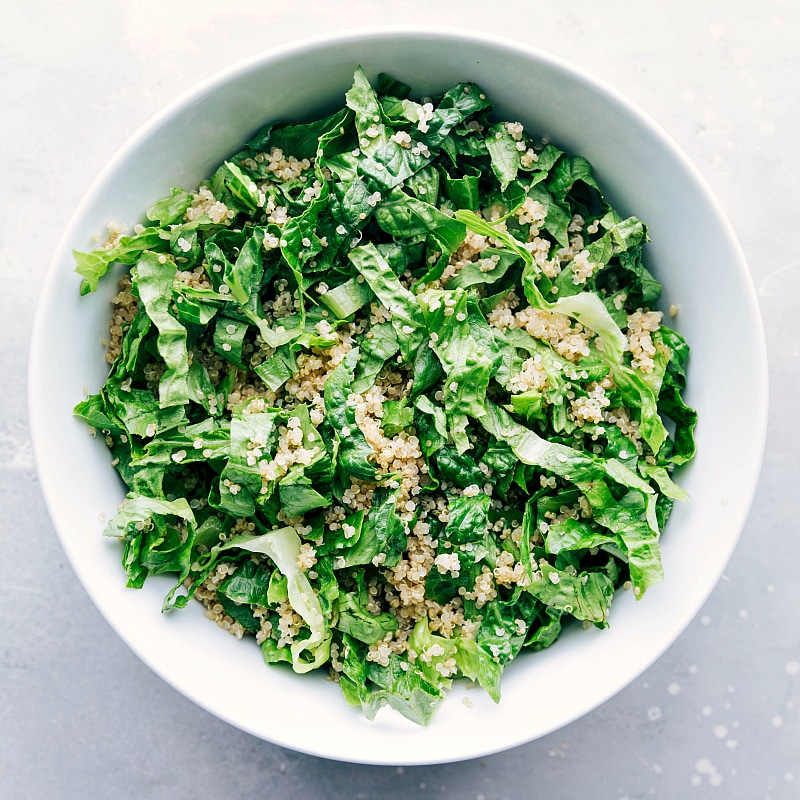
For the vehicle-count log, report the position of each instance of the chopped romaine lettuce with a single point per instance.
(388, 396)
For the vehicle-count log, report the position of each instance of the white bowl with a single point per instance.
(693, 252)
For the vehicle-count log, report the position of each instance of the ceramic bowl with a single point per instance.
(693, 252)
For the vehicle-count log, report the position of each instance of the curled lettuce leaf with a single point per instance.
(283, 547)
(355, 455)
(155, 274)
(628, 517)
(92, 266)
(586, 307)
(407, 319)
(465, 360)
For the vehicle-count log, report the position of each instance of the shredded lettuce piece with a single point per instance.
(406, 318)
(92, 266)
(465, 361)
(283, 547)
(155, 274)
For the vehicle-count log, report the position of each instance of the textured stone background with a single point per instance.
(717, 716)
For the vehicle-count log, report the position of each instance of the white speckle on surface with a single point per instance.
(694, 669)
(792, 668)
(777, 721)
(706, 711)
(560, 752)
(674, 688)
(788, 777)
(654, 713)
(400, 770)
(770, 587)
(731, 744)
(16, 450)
(705, 620)
(658, 769)
(704, 767)
(696, 780)
(743, 614)
(720, 731)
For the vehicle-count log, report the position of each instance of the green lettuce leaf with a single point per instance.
(357, 622)
(283, 547)
(406, 217)
(92, 266)
(464, 358)
(169, 209)
(503, 153)
(383, 534)
(356, 457)
(154, 276)
(586, 596)
(407, 319)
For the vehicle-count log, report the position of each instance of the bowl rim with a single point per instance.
(219, 79)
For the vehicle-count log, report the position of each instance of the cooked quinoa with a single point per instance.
(387, 395)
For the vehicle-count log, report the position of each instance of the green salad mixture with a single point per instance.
(388, 394)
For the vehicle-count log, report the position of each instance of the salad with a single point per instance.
(389, 396)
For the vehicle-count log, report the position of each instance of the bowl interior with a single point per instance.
(693, 252)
